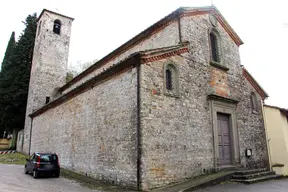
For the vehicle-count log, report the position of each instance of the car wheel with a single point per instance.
(25, 171)
(57, 174)
(35, 174)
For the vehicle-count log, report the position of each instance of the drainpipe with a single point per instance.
(138, 129)
(30, 136)
(266, 135)
(179, 27)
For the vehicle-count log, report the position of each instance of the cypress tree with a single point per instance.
(15, 81)
(9, 52)
(3, 74)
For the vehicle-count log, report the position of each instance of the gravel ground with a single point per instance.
(13, 179)
(268, 186)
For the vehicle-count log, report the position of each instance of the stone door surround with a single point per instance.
(226, 106)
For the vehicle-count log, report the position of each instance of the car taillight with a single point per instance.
(38, 162)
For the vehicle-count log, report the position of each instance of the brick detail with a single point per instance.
(227, 29)
(193, 13)
(163, 56)
(224, 24)
(119, 51)
(219, 82)
(112, 72)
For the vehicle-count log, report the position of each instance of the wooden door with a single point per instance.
(224, 141)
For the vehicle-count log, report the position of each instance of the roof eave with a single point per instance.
(221, 19)
(53, 13)
(239, 40)
(265, 93)
(283, 110)
(122, 47)
(132, 60)
(175, 14)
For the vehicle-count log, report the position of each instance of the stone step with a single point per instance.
(257, 179)
(199, 182)
(250, 171)
(253, 175)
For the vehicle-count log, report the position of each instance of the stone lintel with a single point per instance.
(219, 66)
(221, 98)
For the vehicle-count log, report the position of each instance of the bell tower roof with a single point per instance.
(46, 10)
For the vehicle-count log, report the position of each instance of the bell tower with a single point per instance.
(49, 64)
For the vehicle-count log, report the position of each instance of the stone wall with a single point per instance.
(230, 84)
(251, 129)
(177, 131)
(94, 133)
(49, 65)
(166, 37)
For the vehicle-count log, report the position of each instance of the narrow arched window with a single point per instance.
(171, 80)
(169, 85)
(47, 100)
(253, 102)
(57, 27)
(215, 53)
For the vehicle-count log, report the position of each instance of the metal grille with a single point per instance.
(169, 79)
(214, 48)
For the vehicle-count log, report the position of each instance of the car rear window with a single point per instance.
(48, 158)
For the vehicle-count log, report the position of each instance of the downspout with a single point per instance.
(179, 27)
(266, 135)
(30, 135)
(138, 129)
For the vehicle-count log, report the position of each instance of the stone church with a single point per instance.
(172, 103)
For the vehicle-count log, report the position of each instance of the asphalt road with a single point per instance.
(268, 186)
(13, 179)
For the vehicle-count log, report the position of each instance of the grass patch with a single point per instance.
(13, 158)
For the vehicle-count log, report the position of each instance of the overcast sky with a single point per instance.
(102, 26)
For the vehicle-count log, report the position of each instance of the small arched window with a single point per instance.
(47, 100)
(171, 80)
(254, 102)
(215, 46)
(57, 27)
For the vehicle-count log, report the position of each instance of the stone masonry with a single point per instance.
(177, 136)
(94, 135)
(95, 121)
(49, 65)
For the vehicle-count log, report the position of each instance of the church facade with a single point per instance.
(172, 103)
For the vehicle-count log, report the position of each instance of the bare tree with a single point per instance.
(74, 70)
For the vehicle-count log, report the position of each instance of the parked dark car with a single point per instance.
(42, 164)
